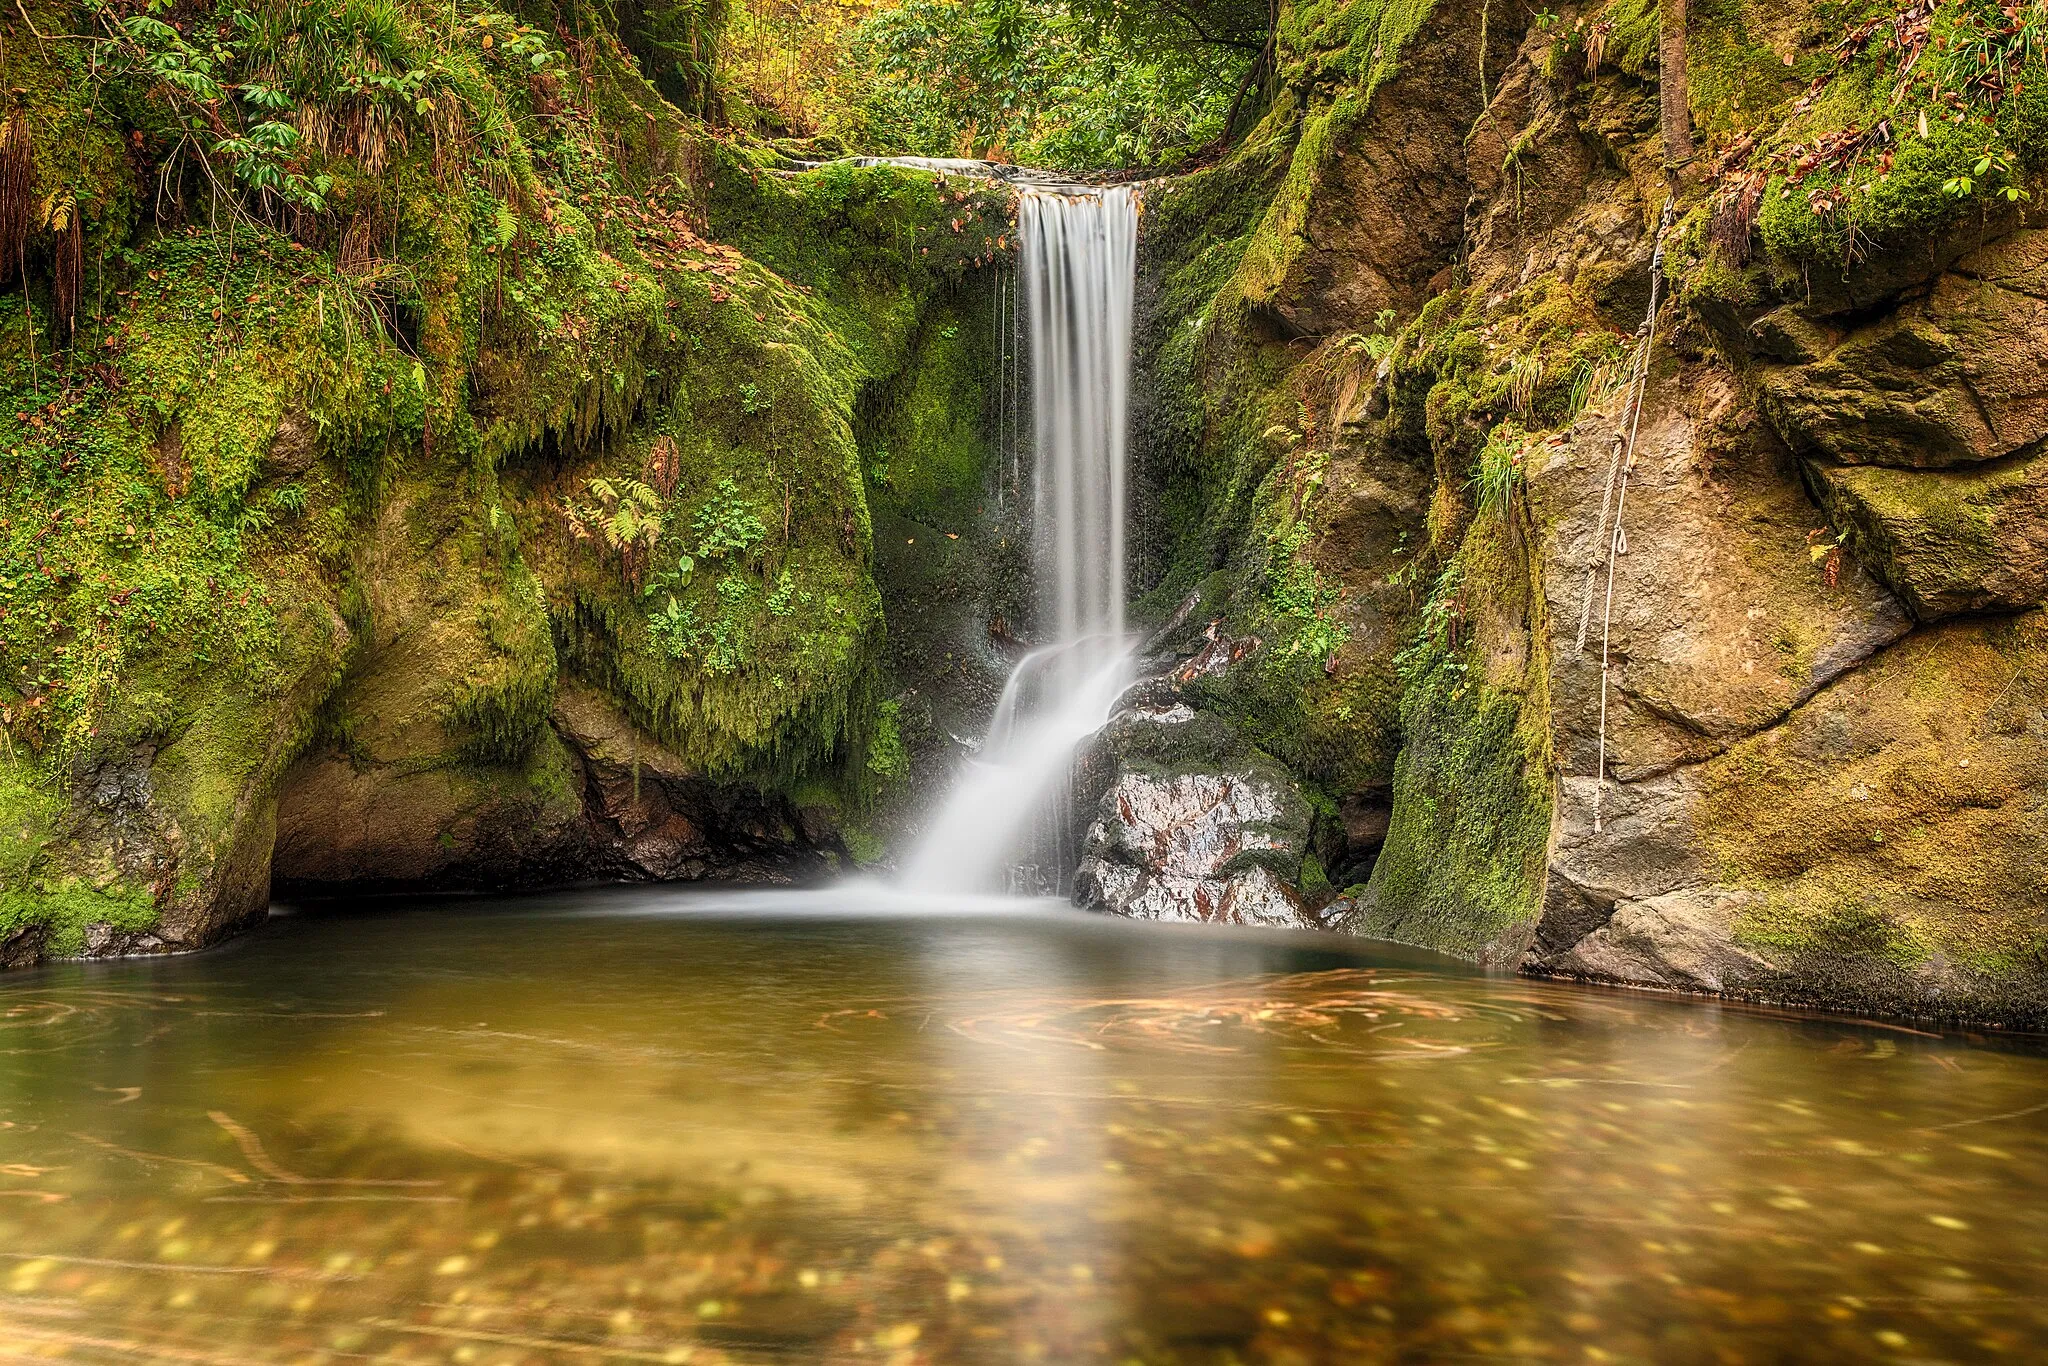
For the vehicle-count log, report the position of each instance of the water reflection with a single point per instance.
(643, 1127)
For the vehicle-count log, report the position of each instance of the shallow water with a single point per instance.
(661, 1127)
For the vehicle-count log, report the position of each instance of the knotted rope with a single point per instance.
(1621, 463)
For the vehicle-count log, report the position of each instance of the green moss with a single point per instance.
(1938, 538)
(760, 660)
(502, 704)
(66, 910)
(1735, 60)
(1464, 864)
(1967, 161)
(887, 759)
(868, 849)
(28, 808)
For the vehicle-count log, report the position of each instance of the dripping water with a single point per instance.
(1073, 307)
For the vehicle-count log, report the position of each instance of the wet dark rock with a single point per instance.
(292, 449)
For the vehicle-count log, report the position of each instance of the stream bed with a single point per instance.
(680, 1127)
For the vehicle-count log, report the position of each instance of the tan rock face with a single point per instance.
(595, 799)
(1720, 621)
(1925, 425)
(1816, 677)
(1944, 383)
(1884, 845)
(1808, 799)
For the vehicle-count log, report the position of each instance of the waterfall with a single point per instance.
(1079, 252)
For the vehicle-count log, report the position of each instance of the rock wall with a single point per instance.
(1794, 753)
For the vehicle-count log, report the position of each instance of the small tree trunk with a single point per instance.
(1674, 88)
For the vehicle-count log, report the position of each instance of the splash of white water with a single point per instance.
(1080, 274)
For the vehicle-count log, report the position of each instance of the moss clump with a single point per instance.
(757, 653)
(28, 808)
(1906, 140)
(66, 911)
(1735, 61)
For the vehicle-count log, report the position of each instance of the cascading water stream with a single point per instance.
(1079, 275)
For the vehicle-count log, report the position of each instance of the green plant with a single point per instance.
(1998, 163)
(782, 602)
(1298, 599)
(624, 514)
(244, 126)
(1502, 470)
(727, 525)
(1525, 379)
(1379, 343)
(1592, 381)
(1439, 637)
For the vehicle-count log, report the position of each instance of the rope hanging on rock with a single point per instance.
(1621, 463)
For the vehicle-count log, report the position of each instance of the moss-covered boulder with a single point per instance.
(1949, 379)
(338, 508)
(1948, 541)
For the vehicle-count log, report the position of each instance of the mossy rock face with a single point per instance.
(1372, 205)
(343, 505)
(1949, 541)
(1953, 379)
(1880, 851)
(1463, 865)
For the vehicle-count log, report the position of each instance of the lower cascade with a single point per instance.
(1079, 250)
